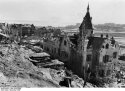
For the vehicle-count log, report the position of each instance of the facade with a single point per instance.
(27, 30)
(17, 31)
(51, 46)
(83, 50)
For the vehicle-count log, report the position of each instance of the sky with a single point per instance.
(61, 12)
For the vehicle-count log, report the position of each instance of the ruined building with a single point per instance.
(83, 50)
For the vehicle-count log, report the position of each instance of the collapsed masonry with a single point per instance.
(17, 70)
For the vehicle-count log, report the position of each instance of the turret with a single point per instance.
(86, 26)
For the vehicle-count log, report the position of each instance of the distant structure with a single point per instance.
(16, 32)
(83, 49)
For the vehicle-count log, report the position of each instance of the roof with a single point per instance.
(95, 42)
(87, 21)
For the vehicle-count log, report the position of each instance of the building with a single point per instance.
(27, 30)
(83, 50)
(51, 46)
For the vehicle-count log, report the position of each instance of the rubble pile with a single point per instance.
(17, 70)
(117, 76)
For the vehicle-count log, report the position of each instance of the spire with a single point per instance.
(87, 20)
(88, 8)
(86, 26)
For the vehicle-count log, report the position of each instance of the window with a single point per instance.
(103, 46)
(105, 58)
(55, 50)
(89, 57)
(64, 54)
(44, 48)
(108, 72)
(114, 54)
(65, 43)
(107, 46)
(52, 50)
(47, 49)
(101, 73)
(115, 46)
(41, 46)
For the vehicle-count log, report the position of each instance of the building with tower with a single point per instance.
(83, 50)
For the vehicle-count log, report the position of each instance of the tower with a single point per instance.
(85, 31)
(86, 25)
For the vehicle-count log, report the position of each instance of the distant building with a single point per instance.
(18, 31)
(28, 30)
(51, 46)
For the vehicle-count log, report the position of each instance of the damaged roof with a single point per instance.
(95, 42)
(74, 39)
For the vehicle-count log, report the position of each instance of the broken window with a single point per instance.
(89, 57)
(47, 49)
(114, 54)
(103, 46)
(101, 73)
(54, 50)
(106, 58)
(44, 48)
(41, 46)
(107, 46)
(65, 43)
(108, 72)
(112, 41)
(64, 54)
(115, 46)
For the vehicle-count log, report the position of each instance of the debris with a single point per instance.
(43, 54)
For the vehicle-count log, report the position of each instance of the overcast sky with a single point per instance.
(61, 12)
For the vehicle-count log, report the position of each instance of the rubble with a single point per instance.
(37, 49)
(17, 70)
(43, 54)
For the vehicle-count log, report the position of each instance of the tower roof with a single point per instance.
(88, 8)
(87, 24)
